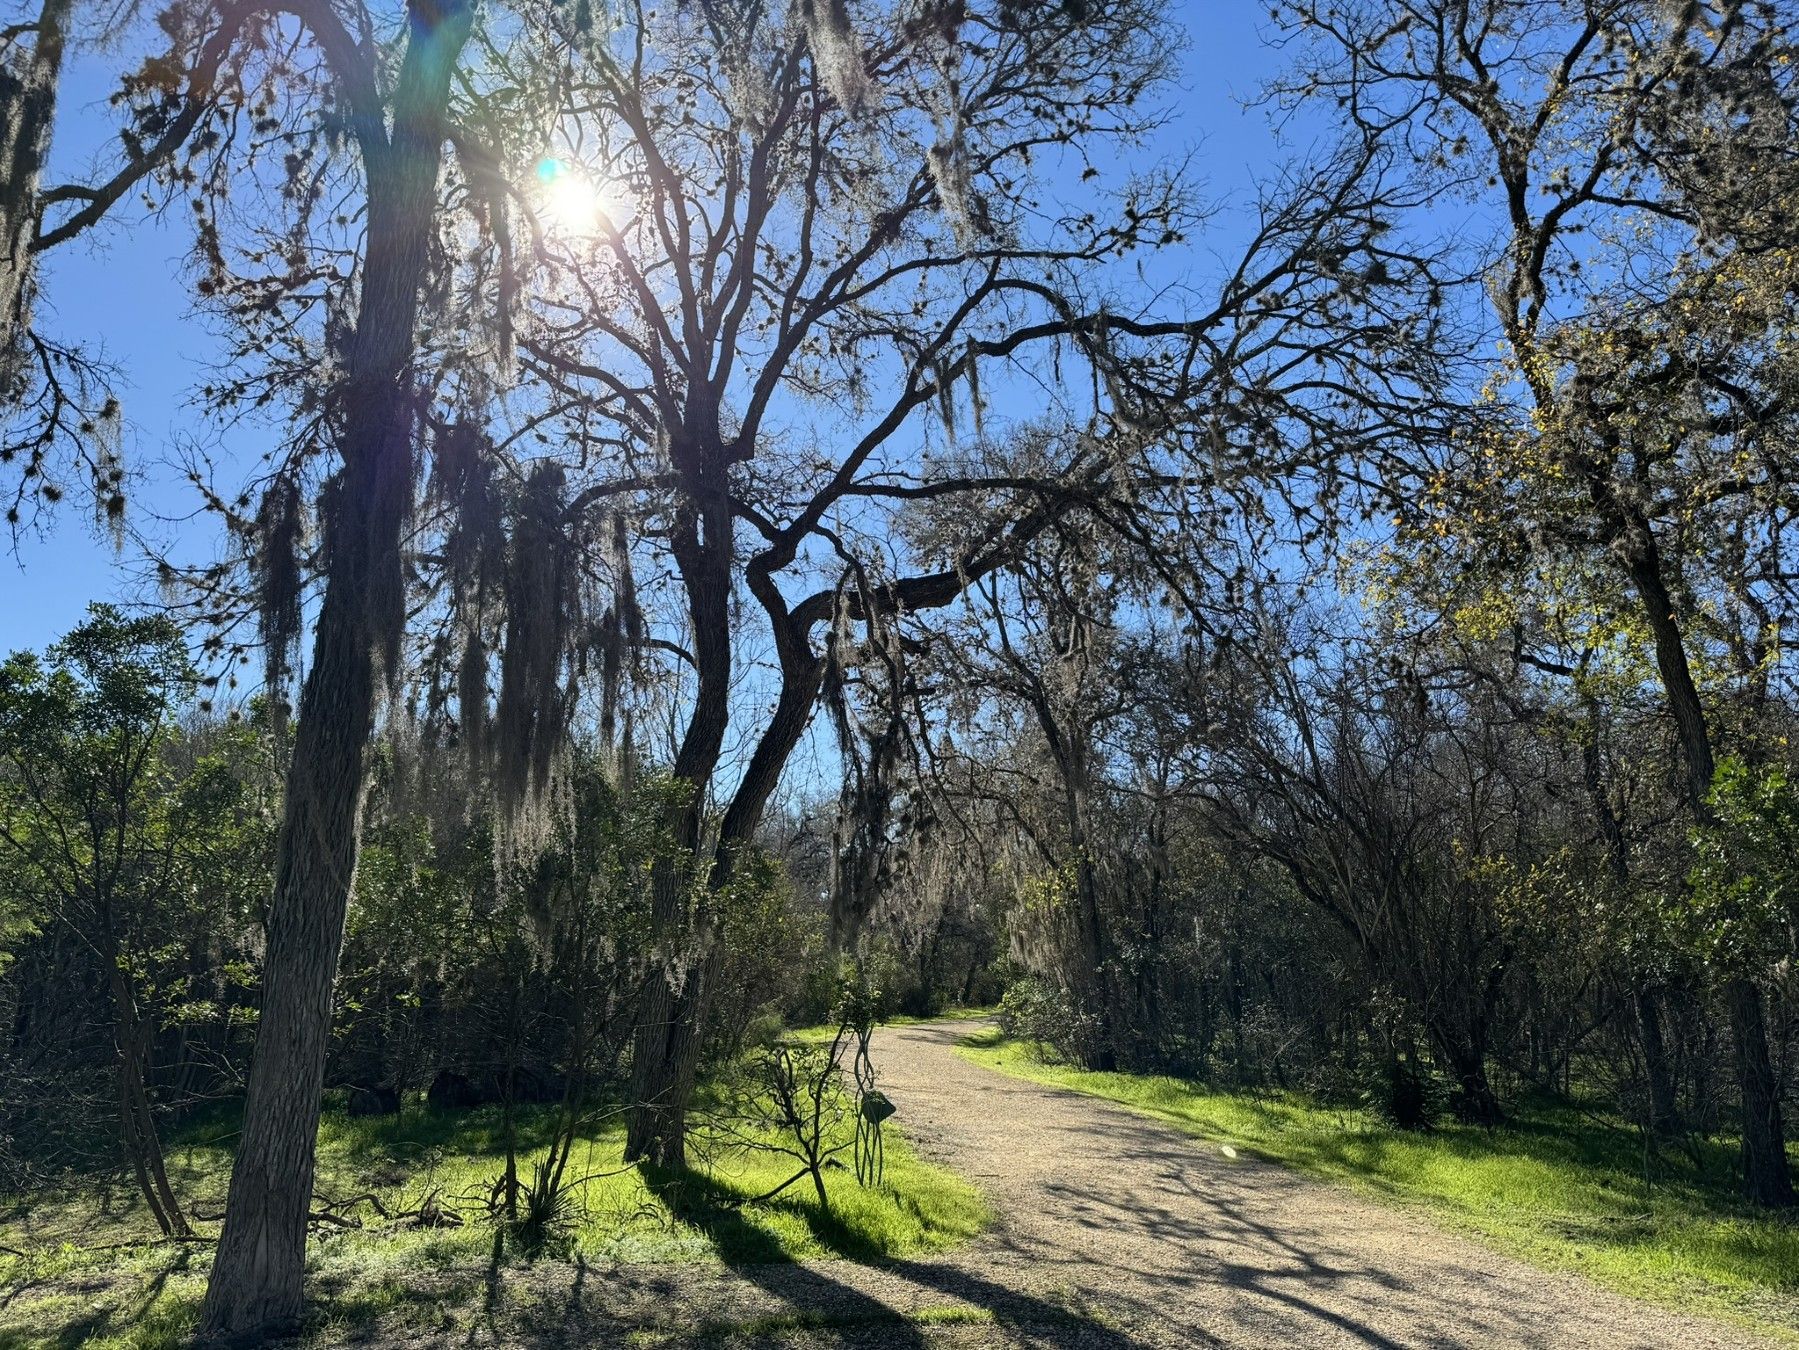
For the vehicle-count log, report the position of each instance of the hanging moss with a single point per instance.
(977, 404)
(462, 487)
(836, 52)
(876, 828)
(279, 538)
(542, 601)
(620, 632)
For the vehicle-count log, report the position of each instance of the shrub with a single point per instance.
(1034, 1010)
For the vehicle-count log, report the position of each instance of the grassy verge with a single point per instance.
(1559, 1187)
(956, 1013)
(821, 1033)
(83, 1267)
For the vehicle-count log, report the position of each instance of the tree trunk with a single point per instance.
(141, 1133)
(136, 1153)
(1089, 976)
(27, 112)
(1663, 1113)
(256, 1276)
(137, 1123)
(1766, 1178)
(1094, 982)
(1664, 1110)
(149, 1143)
(665, 1047)
(665, 1062)
(1475, 1102)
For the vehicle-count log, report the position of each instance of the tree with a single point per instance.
(1381, 805)
(1644, 378)
(790, 250)
(28, 85)
(104, 829)
(400, 134)
(1043, 638)
(53, 397)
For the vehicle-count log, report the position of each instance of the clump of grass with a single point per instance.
(1562, 1187)
(90, 1271)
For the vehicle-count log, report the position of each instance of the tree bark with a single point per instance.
(27, 113)
(666, 1044)
(1090, 980)
(1664, 1108)
(138, 1122)
(1475, 1102)
(1767, 1179)
(256, 1276)
(671, 1007)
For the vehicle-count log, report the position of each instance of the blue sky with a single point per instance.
(122, 292)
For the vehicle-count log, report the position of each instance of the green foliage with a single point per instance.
(776, 962)
(1034, 1010)
(73, 1283)
(455, 960)
(1558, 1185)
(108, 817)
(136, 843)
(1742, 917)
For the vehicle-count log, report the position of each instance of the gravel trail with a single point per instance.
(1113, 1231)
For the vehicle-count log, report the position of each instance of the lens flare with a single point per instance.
(572, 202)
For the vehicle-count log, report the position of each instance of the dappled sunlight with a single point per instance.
(663, 562)
(1557, 1185)
(618, 1216)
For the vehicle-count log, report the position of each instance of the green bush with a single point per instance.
(1034, 1010)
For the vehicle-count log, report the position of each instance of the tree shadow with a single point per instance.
(107, 1318)
(809, 1297)
(700, 1200)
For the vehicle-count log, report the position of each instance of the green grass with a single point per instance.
(776, 1324)
(85, 1268)
(1557, 1186)
(822, 1033)
(954, 1013)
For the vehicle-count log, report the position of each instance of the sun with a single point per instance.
(572, 201)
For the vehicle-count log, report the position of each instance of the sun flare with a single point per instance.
(572, 202)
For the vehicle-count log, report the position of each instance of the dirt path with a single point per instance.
(1113, 1231)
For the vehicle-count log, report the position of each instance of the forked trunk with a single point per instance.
(671, 1013)
(144, 1141)
(137, 1122)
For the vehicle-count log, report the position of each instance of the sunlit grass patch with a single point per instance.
(83, 1267)
(1561, 1187)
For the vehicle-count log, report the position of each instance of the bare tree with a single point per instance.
(793, 273)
